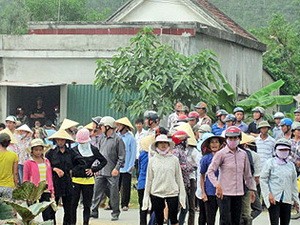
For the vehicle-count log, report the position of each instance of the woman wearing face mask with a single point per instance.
(209, 148)
(278, 182)
(83, 178)
(164, 182)
(234, 172)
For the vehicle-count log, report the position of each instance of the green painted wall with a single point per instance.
(85, 102)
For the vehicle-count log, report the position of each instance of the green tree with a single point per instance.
(282, 57)
(13, 17)
(150, 75)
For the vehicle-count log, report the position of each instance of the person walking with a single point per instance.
(38, 168)
(278, 182)
(164, 182)
(209, 148)
(112, 148)
(234, 172)
(82, 178)
(63, 161)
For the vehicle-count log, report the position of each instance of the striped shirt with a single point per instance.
(42, 170)
(265, 148)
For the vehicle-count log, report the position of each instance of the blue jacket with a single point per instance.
(143, 165)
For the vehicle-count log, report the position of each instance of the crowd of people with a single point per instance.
(192, 164)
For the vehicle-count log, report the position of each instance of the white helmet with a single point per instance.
(108, 121)
(278, 115)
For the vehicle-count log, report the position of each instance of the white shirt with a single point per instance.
(138, 136)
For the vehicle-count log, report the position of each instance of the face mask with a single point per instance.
(232, 144)
(282, 154)
(163, 152)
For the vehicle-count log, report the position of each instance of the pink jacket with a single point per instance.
(31, 173)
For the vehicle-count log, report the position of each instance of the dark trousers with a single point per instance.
(158, 205)
(143, 213)
(202, 213)
(102, 184)
(67, 205)
(125, 188)
(87, 195)
(230, 210)
(190, 205)
(49, 213)
(211, 208)
(256, 207)
(280, 211)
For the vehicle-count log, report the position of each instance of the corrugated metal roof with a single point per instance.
(85, 102)
(29, 84)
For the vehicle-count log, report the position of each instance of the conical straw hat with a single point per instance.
(61, 134)
(89, 126)
(66, 124)
(188, 129)
(13, 140)
(246, 138)
(24, 127)
(125, 121)
(146, 142)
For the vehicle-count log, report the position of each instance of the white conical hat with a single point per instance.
(24, 127)
(146, 142)
(188, 129)
(61, 134)
(125, 121)
(66, 124)
(89, 126)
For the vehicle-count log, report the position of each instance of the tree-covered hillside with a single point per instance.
(257, 13)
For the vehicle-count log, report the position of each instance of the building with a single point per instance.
(57, 60)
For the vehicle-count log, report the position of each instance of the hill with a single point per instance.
(257, 13)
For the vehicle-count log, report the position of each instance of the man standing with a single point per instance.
(201, 108)
(38, 113)
(258, 114)
(123, 127)
(113, 149)
(11, 123)
(172, 119)
(277, 132)
(286, 127)
(239, 115)
(151, 121)
(264, 142)
(219, 126)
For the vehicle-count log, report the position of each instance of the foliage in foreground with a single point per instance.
(25, 202)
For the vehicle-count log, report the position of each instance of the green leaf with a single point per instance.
(267, 90)
(27, 191)
(28, 213)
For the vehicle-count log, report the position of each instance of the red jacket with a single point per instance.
(31, 173)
